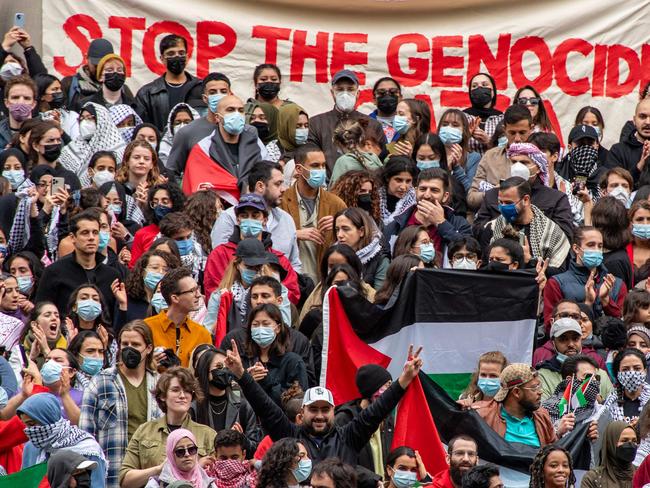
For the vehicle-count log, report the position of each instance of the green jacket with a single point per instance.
(550, 380)
(348, 162)
(147, 446)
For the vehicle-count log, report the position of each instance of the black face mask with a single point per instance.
(52, 152)
(480, 96)
(387, 104)
(364, 201)
(131, 357)
(57, 100)
(220, 378)
(497, 266)
(626, 452)
(83, 479)
(114, 81)
(268, 90)
(176, 64)
(262, 129)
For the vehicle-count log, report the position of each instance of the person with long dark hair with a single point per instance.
(632, 391)
(397, 272)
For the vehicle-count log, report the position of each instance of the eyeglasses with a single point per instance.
(528, 101)
(568, 315)
(470, 454)
(186, 451)
(532, 388)
(193, 290)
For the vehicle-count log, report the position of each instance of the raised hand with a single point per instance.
(590, 291)
(541, 268)
(411, 368)
(233, 361)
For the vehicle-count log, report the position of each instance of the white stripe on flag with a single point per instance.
(454, 347)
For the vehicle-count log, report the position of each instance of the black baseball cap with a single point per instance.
(98, 49)
(252, 252)
(252, 200)
(343, 74)
(583, 132)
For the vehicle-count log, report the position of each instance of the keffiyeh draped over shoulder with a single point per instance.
(76, 155)
(118, 114)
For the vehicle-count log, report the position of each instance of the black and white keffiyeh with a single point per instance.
(76, 155)
(20, 229)
(407, 201)
(118, 114)
(58, 435)
(583, 160)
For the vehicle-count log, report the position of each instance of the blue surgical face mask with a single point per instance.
(25, 283)
(489, 386)
(502, 141)
(160, 211)
(116, 209)
(51, 372)
(92, 366)
(599, 131)
(316, 177)
(213, 101)
(233, 123)
(251, 227)
(301, 136)
(509, 212)
(401, 124)
(247, 275)
(263, 336)
(185, 246)
(14, 176)
(88, 309)
(592, 259)
(424, 164)
(158, 302)
(641, 231)
(302, 472)
(151, 279)
(4, 250)
(561, 357)
(450, 135)
(404, 479)
(104, 238)
(427, 252)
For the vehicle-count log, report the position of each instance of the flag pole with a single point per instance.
(570, 391)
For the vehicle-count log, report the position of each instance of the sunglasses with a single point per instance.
(528, 101)
(186, 451)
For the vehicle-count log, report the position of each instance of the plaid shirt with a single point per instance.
(104, 414)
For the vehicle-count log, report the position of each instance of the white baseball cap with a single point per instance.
(317, 394)
(564, 325)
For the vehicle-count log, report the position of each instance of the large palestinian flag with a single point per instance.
(456, 316)
(203, 171)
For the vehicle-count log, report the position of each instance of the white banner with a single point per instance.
(576, 53)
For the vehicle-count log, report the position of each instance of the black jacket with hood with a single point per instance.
(626, 154)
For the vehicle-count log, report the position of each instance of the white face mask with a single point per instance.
(621, 194)
(87, 129)
(521, 170)
(101, 177)
(9, 70)
(345, 101)
(464, 263)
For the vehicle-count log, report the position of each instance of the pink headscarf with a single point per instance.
(533, 153)
(193, 476)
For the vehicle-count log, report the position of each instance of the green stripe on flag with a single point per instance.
(452, 383)
(27, 478)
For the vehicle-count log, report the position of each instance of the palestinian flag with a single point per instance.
(456, 315)
(578, 398)
(565, 404)
(201, 171)
(31, 477)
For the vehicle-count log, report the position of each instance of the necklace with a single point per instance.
(214, 409)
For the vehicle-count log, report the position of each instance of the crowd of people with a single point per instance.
(165, 254)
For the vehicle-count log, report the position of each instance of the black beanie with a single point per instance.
(370, 378)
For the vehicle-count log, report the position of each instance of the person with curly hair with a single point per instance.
(360, 189)
(552, 468)
(142, 281)
(285, 464)
(203, 208)
(161, 199)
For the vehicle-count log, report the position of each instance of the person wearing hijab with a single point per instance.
(97, 132)
(616, 455)
(483, 117)
(293, 128)
(48, 432)
(13, 165)
(125, 119)
(65, 465)
(264, 117)
(181, 463)
(181, 115)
